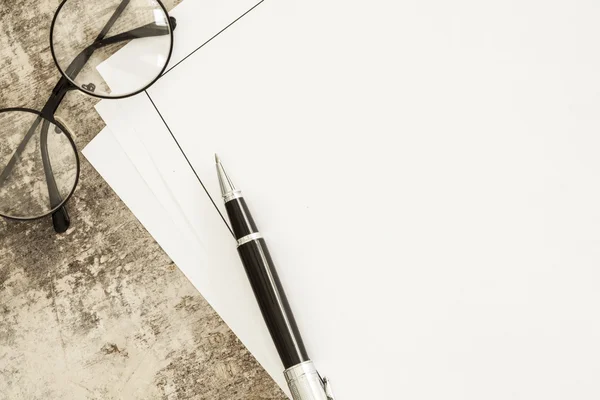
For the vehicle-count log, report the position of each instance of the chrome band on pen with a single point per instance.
(305, 383)
(236, 194)
(249, 238)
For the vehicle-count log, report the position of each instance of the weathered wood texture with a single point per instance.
(100, 312)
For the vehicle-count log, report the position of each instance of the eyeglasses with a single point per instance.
(39, 163)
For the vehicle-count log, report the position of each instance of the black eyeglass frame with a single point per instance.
(60, 217)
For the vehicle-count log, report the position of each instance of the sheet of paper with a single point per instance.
(426, 176)
(111, 161)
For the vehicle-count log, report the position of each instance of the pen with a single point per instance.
(300, 373)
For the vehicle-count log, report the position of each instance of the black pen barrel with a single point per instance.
(266, 285)
(241, 220)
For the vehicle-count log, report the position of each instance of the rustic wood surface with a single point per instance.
(99, 312)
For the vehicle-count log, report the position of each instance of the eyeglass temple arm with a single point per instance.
(149, 30)
(113, 18)
(60, 218)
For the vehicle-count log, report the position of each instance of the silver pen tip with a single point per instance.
(224, 181)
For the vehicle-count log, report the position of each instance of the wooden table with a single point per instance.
(99, 312)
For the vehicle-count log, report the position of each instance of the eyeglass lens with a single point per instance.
(38, 165)
(135, 34)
